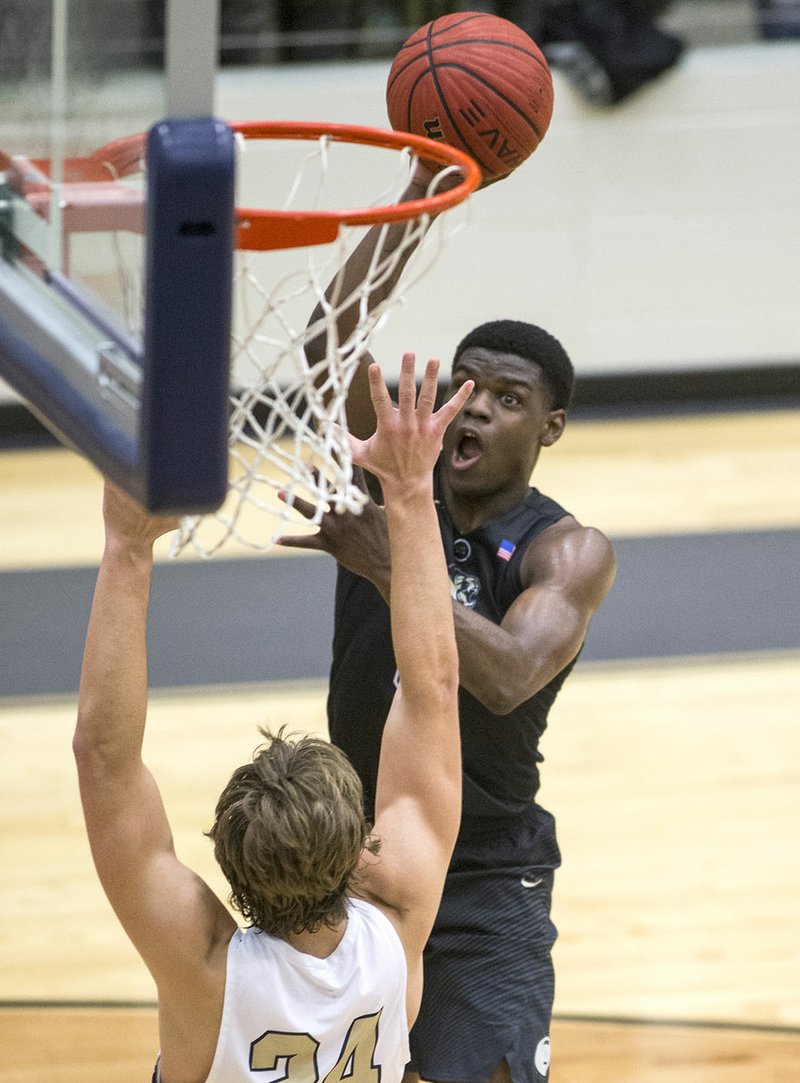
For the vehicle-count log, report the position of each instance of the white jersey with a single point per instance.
(291, 1016)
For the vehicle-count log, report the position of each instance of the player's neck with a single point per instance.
(469, 511)
(320, 944)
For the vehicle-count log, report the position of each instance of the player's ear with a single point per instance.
(553, 426)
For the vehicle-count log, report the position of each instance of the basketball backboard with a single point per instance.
(115, 278)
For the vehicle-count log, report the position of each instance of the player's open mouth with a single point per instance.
(467, 451)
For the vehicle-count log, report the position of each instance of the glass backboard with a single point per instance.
(115, 273)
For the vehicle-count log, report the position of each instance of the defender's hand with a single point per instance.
(402, 451)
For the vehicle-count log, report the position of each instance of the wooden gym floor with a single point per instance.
(674, 782)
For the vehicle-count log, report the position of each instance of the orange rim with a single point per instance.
(262, 230)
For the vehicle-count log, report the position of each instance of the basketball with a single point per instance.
(476, 81)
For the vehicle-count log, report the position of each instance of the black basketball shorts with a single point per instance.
(488, 979)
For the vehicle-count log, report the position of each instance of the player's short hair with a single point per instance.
(289, 832)
(532, 342)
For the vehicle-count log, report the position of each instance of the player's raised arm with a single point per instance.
(378, 242)
(170, 915)
(419, 784)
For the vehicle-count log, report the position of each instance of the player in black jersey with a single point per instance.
(526, 578)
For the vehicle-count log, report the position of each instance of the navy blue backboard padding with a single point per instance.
(189, 260)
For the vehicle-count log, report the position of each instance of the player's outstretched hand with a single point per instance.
(446, 177)
(405, 445)
(359, 542)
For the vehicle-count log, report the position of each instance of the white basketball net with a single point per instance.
(288, 430)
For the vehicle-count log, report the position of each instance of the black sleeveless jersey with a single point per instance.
(500, 752)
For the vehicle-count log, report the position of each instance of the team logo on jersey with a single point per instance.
(464, 587)
(462, 550)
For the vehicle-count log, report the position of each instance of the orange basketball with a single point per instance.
(476, 81)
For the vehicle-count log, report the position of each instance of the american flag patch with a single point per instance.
(506, 550)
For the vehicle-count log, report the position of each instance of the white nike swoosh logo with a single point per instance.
(530, 883)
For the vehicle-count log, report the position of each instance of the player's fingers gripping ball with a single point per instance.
(475, 81)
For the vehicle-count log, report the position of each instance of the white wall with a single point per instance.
(660, 234)
(663, 233)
